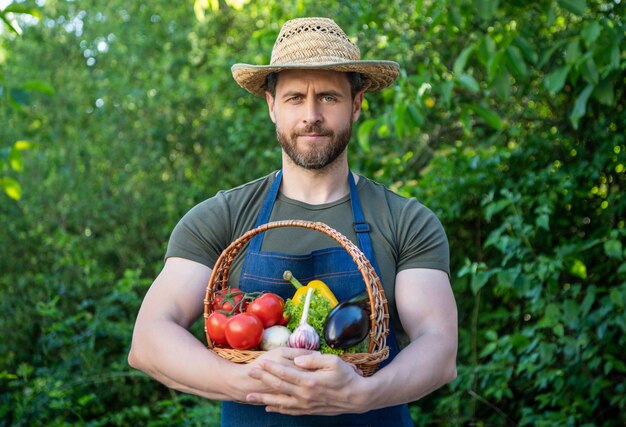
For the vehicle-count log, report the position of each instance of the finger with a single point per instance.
(274, 402)
(285, 353)
(278, 377)
(316, 361)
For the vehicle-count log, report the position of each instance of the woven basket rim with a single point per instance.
(379, 317)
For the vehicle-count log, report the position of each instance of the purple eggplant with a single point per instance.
(347, 324)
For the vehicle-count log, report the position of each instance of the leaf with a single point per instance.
(578, 269)
(591, 33)
(24, 9)
(478, 281)
(580, 107)
(548, 54)
(590, 71)
(613, 249)
(575, 6)
(555, 81)
(489, 116)
(9, 25)
(486, 8)
(11, 187)
(16, 161)
(363, 134)
(572, 51)
(527, 49)
(22, 145)
(515, 62)
(468, 82)
(617, 297)
(543, 221)
(605, 93)
(461, 60)
(39, 86)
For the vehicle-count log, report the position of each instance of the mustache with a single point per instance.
(314, 129)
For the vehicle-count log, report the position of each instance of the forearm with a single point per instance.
(173, 356)
(422, 367)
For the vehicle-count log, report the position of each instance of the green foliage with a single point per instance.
(507, 120)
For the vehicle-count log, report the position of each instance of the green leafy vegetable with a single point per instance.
(318, 311)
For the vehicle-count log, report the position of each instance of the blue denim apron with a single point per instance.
(263, 271)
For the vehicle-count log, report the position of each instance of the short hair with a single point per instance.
(355, 79)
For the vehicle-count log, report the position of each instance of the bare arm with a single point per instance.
(428, 314)
(163, 348)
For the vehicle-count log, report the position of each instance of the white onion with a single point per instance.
(274, 337)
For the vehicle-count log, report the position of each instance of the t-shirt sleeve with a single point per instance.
(202, 233)
(423, 241)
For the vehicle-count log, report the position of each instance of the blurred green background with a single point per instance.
(508, 120)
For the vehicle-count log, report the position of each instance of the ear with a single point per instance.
(356, 105)
(270, 105)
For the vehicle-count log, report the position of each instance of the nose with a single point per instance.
(312, 113)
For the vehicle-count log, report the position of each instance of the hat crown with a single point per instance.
(313, 41)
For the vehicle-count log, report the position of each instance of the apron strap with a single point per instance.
(361, 227)
(266, 211)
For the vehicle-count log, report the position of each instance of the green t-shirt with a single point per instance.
(405, 234)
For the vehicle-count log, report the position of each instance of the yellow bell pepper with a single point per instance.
(316, 285)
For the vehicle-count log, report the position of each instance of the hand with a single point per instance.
(282, 356)
(317, 383)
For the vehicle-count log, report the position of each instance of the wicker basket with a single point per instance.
(379, 318)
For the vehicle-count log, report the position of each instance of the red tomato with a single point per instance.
(227, 299)
(244, 331)
(268, 308)
(216, 325)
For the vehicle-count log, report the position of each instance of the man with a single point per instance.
(314, 89)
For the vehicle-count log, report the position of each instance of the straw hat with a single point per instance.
(315, 43)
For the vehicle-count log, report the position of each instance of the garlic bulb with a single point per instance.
(305, 336)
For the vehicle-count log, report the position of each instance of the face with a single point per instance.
(313, 111)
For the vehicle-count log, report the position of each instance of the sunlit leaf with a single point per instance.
(363, 134)
(11, 187)
(22, 145)
(16, 161)
(578, 269)
(23, 9)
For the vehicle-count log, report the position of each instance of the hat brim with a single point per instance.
(376, 74)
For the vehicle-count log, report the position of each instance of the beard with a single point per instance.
(315, 156)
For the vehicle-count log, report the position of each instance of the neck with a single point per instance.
(315, 187)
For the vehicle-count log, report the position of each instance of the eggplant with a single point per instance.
(347, 324)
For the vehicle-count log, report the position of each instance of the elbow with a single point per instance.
(133, 358)
(136, 357)
(450, 372)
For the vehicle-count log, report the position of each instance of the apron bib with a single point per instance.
(263, 271)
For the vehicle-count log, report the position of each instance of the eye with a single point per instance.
(328, 98)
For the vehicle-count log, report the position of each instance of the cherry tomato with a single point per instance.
(244, 331)
(268, 308)
(216, 325)
(227, 299)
